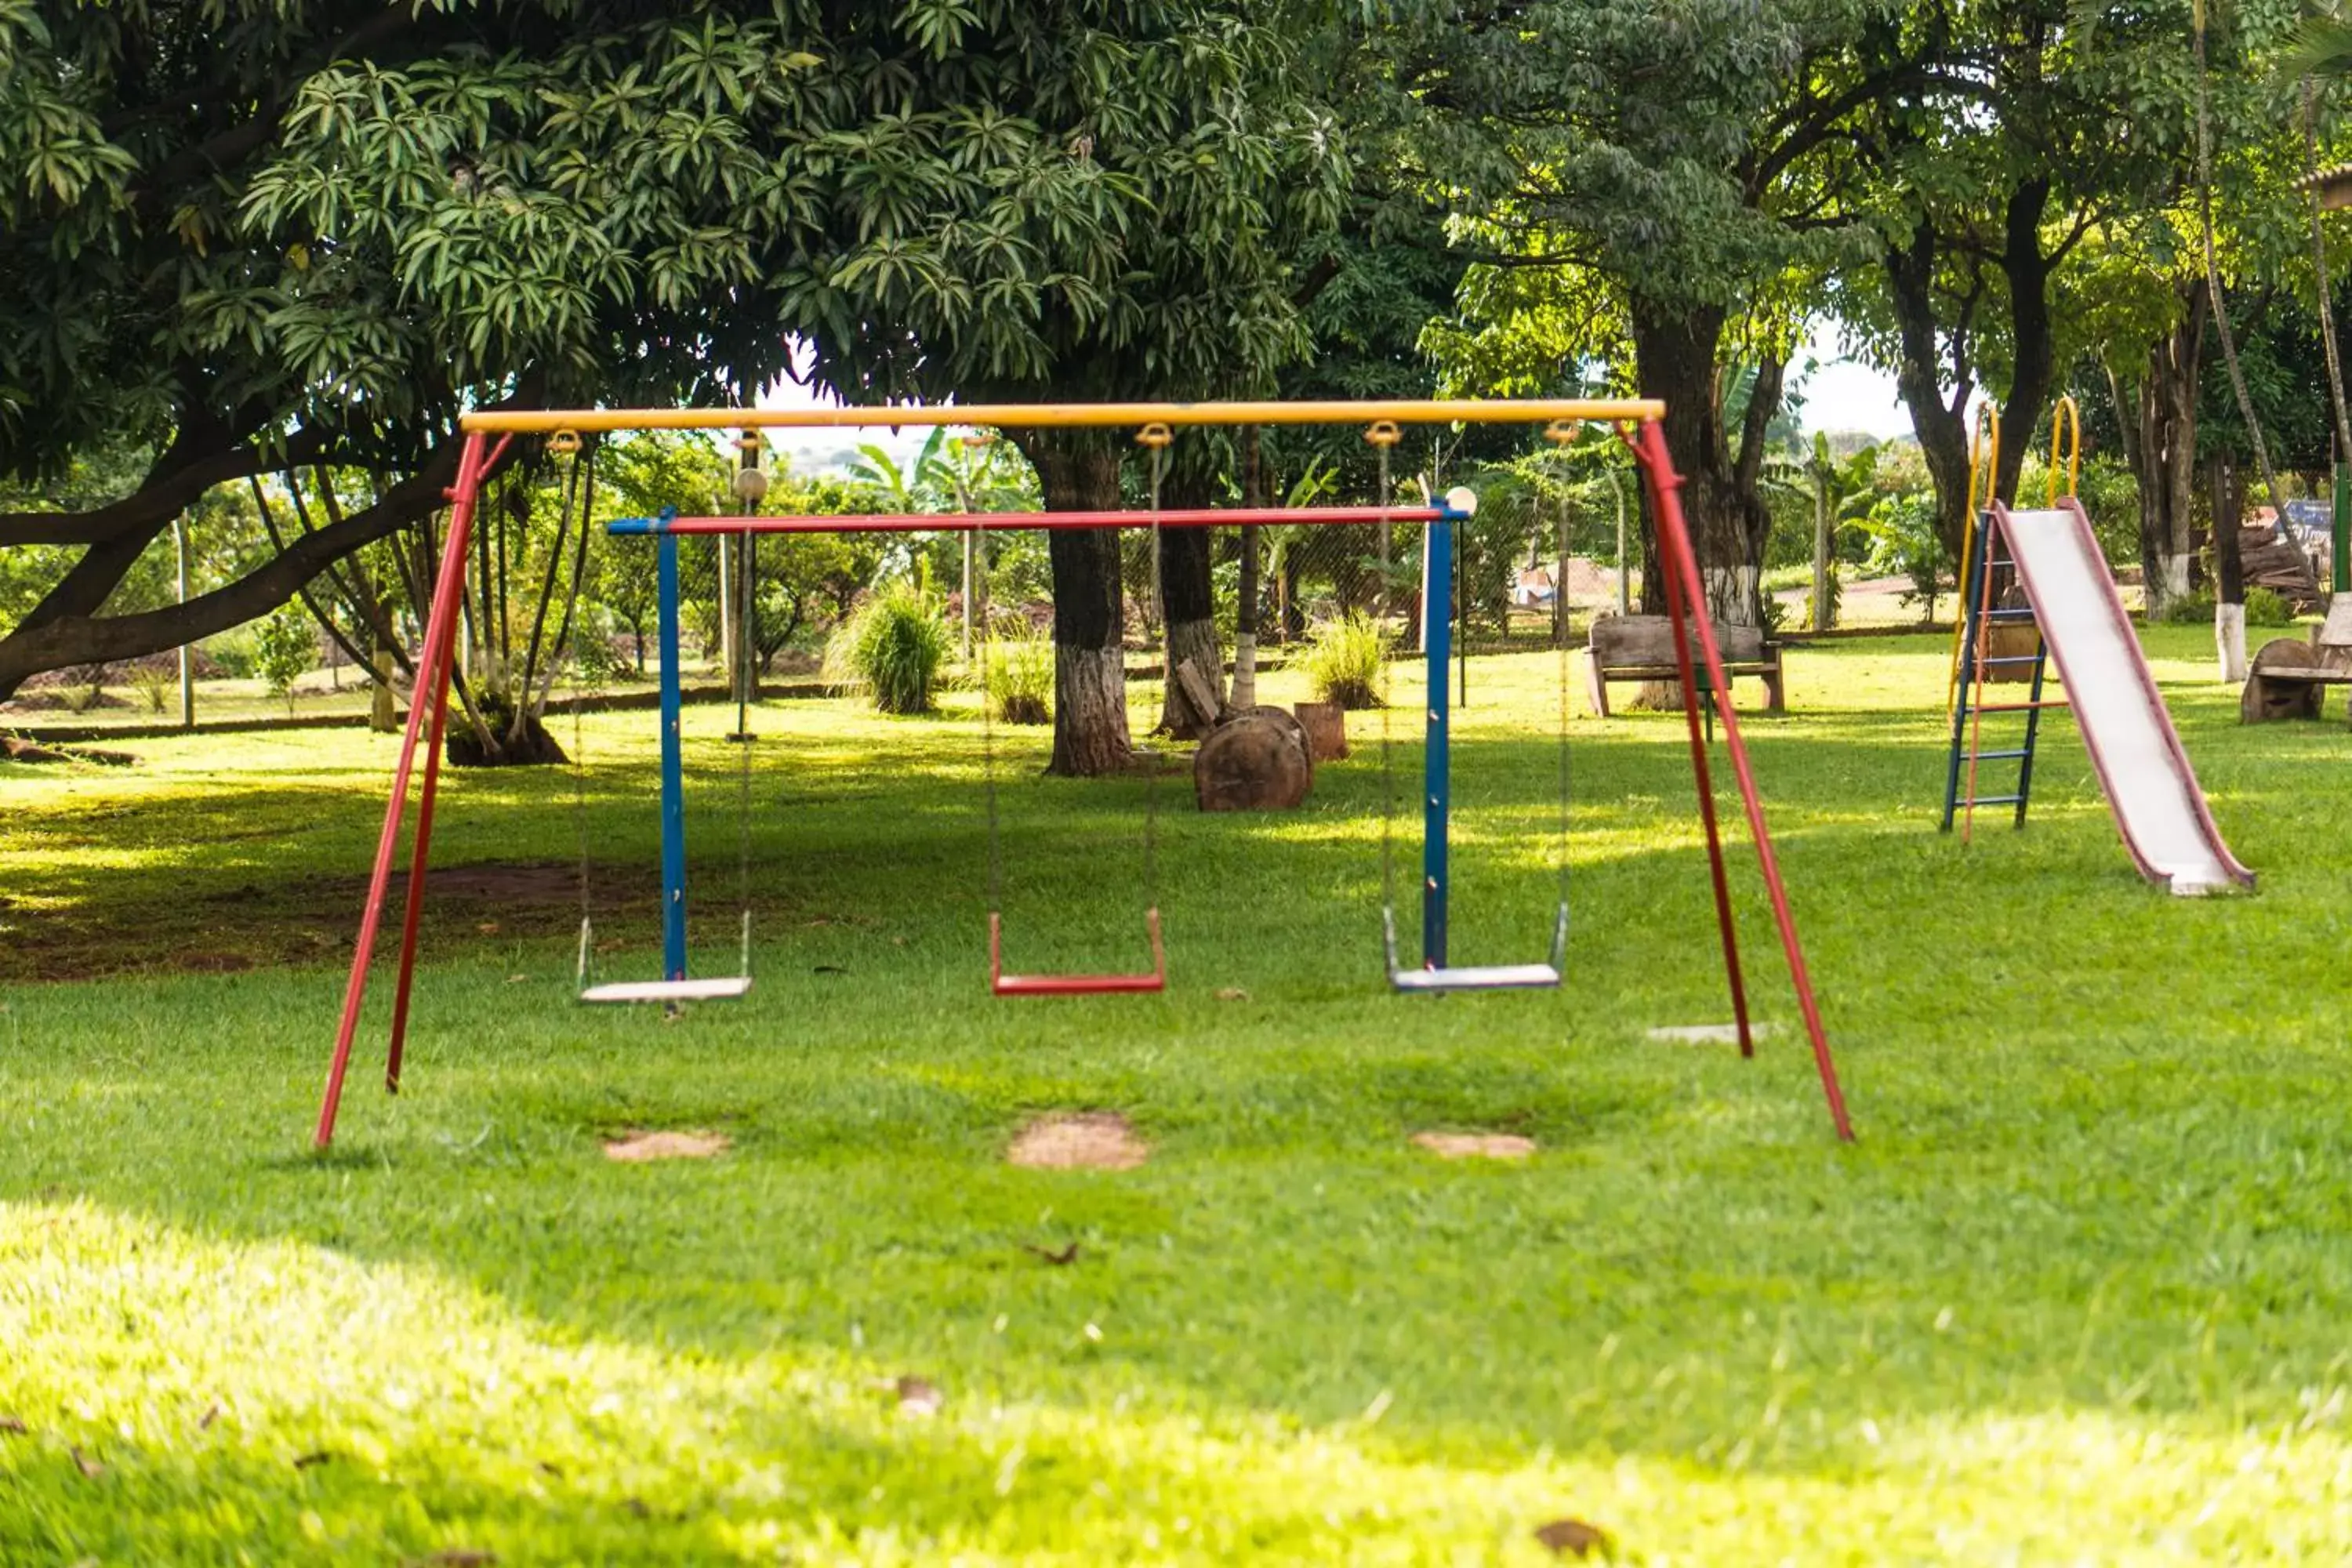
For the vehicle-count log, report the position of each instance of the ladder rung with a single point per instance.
(2014, 659)
(1994, 800)
(2019, 707)
(2021, 614)
(2001, 756)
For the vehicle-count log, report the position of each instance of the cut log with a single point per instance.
(1326, 724)
(1199, 694)
(1259, 761)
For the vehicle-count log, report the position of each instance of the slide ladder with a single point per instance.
(1988, 601)
(2072, 601)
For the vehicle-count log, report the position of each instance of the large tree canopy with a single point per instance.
(265, 237)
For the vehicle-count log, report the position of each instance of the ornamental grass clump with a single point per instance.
(1343, 661)
(893, 646)
(1021, 678)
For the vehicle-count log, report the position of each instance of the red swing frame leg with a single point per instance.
(1004, 984)
(431, 692)
(1686, 603)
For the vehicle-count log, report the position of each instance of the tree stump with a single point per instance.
(1257, 761)
(1326, 724)
(2265, 699)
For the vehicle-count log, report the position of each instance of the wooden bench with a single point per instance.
(1642, 648)
(2289, 678)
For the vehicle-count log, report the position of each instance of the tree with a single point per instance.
(2024, 132)
(1671, 165)
(266, 238)
(1111, 217)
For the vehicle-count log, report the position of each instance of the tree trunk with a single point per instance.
(1824, 504)
(1675, 353)
(1189, 615)
(1246, 596)
(383, 715)
(1078, 470)
(1942, 427)
(2033, 343)
(2214, 270)
(2161, 451)
(1187, 608)
(2335, 403)
(2229, 570)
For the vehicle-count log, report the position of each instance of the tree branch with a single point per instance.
(82, 639)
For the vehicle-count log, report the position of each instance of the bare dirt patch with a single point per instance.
(1475, 1145)
(214, 963)
(1079, 1140)
(524, 881)
(639, 1147)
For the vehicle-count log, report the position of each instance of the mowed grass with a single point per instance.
(2077, 1294)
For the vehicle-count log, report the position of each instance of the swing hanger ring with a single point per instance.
(564, 442)
(1154, 435)
(1383, 433)
(751, 441)
(1561, 431)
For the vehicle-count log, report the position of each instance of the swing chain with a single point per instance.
(1383, 437)
(1155, 437)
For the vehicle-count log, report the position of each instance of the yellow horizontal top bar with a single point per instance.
(1409, 411)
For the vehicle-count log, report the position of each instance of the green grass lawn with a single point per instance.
(2080, 1292)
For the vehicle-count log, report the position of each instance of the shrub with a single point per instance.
(1904, 542)
(2189, 609)
(893, 645)
(1343, 661)
(285, 647)
(1021, 678)
(2267, 607)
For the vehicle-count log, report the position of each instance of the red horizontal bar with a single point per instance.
(1013, 522)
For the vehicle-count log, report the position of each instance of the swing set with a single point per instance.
(489, 435)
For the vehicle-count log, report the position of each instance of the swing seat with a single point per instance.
(1476, 976)
(1004, 984)
(718, 990)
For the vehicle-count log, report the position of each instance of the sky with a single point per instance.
(1843, 395)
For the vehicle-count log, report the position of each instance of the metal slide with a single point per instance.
(2159, 809)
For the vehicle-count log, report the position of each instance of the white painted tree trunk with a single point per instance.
(2175, 587)
(2230, 641)
(1246, 670)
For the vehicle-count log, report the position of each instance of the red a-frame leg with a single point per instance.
(431, 692)
(1686, 603)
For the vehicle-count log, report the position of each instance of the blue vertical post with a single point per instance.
(1436, 782)
(673, 761)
